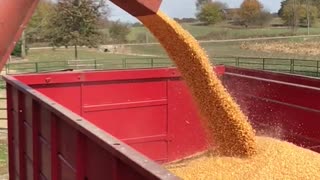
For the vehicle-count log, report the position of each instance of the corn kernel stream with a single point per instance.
(222, 118)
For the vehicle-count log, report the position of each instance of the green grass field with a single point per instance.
(196, 31)
(226, 31)
(68, 54)
(3, 158)
(220, 53)
(48, 59)
(223, 49)
(53, 60)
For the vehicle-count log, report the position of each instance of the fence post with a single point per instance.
(318, 68)
(238, 61)
(37, 67)
(292, 66)
(124, 63)
(95, 64)
(263, 63)
(152, 63)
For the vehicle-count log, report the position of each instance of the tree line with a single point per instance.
(251, 12)
(299, 12)
(72, 23)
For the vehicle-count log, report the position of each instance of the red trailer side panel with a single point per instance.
(47, 141)
(151, 110)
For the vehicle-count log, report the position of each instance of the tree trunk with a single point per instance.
(76, 52)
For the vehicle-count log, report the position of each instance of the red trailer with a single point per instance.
(126, 124)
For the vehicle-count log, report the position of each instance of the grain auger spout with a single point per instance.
(15, 15)
(139, 7)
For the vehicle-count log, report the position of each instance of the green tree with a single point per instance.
(119, 31)
(75, 23)
(303, 14)
(17, 49)
(38, 24)
(315, 3)
(289, 13)
(262, 19)
(281, 10)
(211, 13)
(312, 3)
(199, 3)
(249, 11)
(296, 12)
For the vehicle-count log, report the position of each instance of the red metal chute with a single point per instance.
(14, 15)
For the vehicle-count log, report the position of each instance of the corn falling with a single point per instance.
(222, 117)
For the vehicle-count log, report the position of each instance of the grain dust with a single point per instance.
(223, 120)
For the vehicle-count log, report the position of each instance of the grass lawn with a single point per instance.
(3, 158)
(196, 31)
(227, 49)
(68, 54)
(49, 60)
(225, 31)
(93, 59)
(279, 62)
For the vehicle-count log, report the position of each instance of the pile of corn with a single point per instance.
(222, 117)
(274, 160)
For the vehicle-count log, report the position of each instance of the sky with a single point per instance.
(175, 8)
